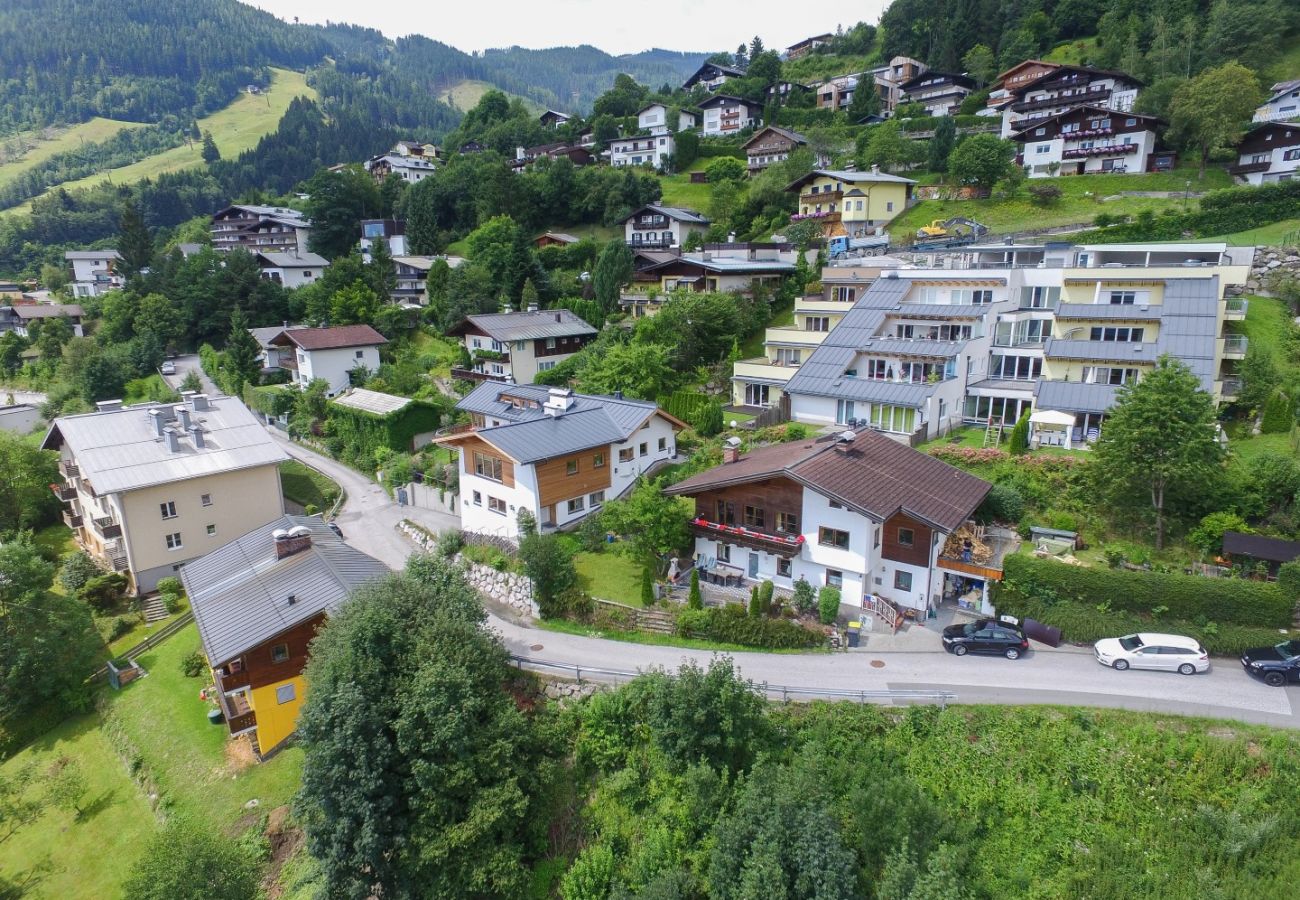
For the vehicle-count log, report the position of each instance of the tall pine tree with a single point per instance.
(134, 242)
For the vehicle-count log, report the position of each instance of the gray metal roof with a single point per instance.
(240, 592)
(263, 335)
(1111, 351)
(119, 450)
(91, 254)
(854, 177)
(372, 401)
(679, 213)
(1131, 313)
(295, 260)
(941, 310)
(528, 326)
(531, 434)
(1189, 327)
(916, 347)
(1075, 396)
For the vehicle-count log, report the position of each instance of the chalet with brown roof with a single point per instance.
(329, 353)
(857, 511)
(771, 145)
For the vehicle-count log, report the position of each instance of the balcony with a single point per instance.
(1103, 150)
(69, 469)
(1234, 310)
(659, 223)
(1250, 168)
(763, 369)
(1234, 346)
(1092, 97)
(71, 519)
(796, 336)
(107, 528)
(64, 491)
(474, 375)
(786, 545)
(828, 218)
(821, 197)
(1229, 389)
(652, 244)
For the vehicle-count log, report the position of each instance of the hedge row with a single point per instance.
(733, 625)
(685, 405)
(1082, 624)
(1221, 212)
(1190, 597)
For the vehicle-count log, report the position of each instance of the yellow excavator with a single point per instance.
(950, 228)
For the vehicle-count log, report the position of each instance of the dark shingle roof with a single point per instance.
(872, 474)
(1259, 547)
(334, 338)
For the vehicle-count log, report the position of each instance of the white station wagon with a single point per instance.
(1168, 652)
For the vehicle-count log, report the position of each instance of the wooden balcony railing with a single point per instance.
(783, 544)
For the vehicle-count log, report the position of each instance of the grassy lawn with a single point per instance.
(1073, 53)
(679, 191)
(1267, 320)
(820, 66)
(54, 541)
(86, 856)
(235, 129)
(151, 387)
(465, 95)
(1274, 235)
(967, 437)
(142, 631)
(305, 486)
(610, 576)
(1074, 207)
(438, 352)
(60, 140)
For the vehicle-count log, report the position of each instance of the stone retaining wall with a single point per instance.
(1269, 260)
(507, 588)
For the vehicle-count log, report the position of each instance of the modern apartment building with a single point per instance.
(516, 346)
(152, 487)
(1002, 330)
(273, 229)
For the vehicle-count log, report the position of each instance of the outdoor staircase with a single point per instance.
(154, 611)
(653, 620)
(993, 433)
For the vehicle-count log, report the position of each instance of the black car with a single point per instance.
(985, 636)
(1276, 665)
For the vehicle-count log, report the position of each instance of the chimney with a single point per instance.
(559, 317)
(197, 435)
(558, 401)
(173, 443)
(183, 414)
(875, 169)
(108, 405)
(844, 441)
(532, 307)
(158, 419)
(200, 402)
(730, 450)
(295, 540)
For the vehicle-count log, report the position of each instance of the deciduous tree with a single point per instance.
(981, 160)
(1209, 113)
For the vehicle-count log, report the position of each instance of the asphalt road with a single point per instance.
(369, 517)
(185, 364)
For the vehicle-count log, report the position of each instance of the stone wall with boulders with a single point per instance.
(1269, 261)
(506, 588)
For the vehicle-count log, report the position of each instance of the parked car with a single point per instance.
(985, 636)
(1165, 652)
(168, 367)
(1276, 665)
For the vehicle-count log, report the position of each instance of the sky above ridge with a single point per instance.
(617, 29)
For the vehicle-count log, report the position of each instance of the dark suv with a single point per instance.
(986, 636)
(1276, 665)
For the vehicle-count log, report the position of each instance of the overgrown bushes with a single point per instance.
(731, 625)
(1221, 212)
(1237, 601)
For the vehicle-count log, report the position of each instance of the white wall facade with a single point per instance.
(642, 150)
(1283, 165)
(728, 118)
(334, 366)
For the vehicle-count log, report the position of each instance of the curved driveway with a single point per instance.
(369, 519)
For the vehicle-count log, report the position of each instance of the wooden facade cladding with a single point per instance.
(772, 496)
(471, 444)
(555, 484)
(258, 667)
(892, 548)
(568, 344)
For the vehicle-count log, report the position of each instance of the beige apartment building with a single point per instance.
(154, 486)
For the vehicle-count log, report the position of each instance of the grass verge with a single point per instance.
(305, 486)
(564, 626)
(609, 576)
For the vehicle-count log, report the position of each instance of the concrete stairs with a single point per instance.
(154, 611)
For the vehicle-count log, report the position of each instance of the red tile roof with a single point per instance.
(873, 474)
(334, 338)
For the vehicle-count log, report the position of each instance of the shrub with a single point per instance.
(1187, 597)
(755, 605)
(103, 592)
(171, 603)
(1018, 441)
(708, 421)
(1044, 194)
(1003, 504)
(828, 604)
(766, 591)
(647, 587)
(78, 568)
(695, 600)
(549, 565)
(1082, 623)
(449, 543)
(1279, 414)
(194, 664)
(170, 585)
(591, 534)
(1207, 537)
(116, 626)
(730, 625)
(805, 596)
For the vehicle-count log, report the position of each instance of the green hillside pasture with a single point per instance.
(27, 150)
